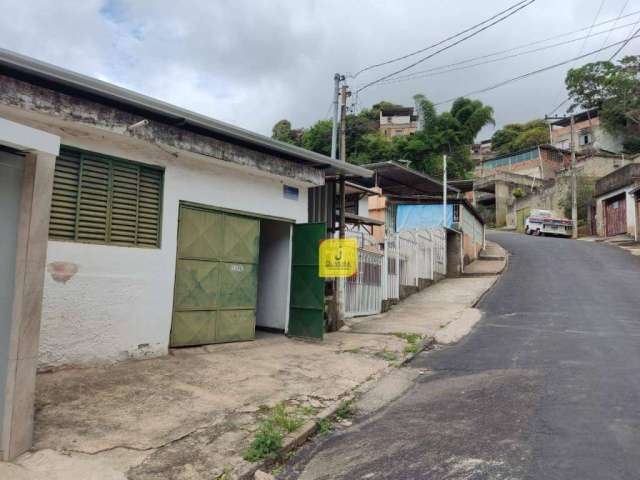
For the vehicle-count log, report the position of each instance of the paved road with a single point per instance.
(546, 387)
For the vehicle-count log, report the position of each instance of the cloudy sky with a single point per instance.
(254, 62)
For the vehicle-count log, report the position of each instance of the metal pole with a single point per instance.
(334, 131)
(341, 283)
(574, 183)
(444, 190)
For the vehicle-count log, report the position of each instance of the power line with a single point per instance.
(397, 59)
(519, 47)
(443, 70)
(595, 19)
(624, 7)
(534, 72)
(626, 42)
(513, 12)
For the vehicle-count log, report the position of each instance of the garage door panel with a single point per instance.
(200, 234)
(238, 285)
(196, 284)
(235, 325)
(241, 239)
(193, 328)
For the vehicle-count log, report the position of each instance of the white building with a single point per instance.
(167, 228)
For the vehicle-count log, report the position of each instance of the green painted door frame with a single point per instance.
(306, 317)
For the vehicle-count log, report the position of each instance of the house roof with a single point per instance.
(59, 79)
(397, 179)
(399, 111)
(578, 117)
(545, 146)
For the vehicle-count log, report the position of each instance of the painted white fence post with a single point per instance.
(385, 269)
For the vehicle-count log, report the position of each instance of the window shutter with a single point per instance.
(64, 201)
(124, 203)
(150, 207)
(93, 211)
(105, 200)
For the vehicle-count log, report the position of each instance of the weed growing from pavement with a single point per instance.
(266, 443)
(388, 356)
(345, 409)
(412, 340)
(275, 424)
(325, 425)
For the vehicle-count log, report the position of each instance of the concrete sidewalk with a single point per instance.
(190, 415)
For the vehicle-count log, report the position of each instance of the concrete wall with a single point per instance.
(473, 235)
(11, 173)
(274, 275)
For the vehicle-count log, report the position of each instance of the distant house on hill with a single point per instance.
(398, 121)
(589, 134)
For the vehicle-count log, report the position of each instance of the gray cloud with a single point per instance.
(253, 62)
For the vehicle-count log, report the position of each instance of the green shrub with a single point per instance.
(267, 442)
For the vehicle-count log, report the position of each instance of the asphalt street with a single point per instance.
(546, 386)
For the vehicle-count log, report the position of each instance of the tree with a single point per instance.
(282, 131)
(518, 136)
(447, 132)
(613, 89)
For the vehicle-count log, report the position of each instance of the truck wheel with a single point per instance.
(537, 233)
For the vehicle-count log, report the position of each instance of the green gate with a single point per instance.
(216, 282)
(306, 317)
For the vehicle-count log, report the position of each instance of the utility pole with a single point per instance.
(574, 182)
(341, 284)
(574, 178)
(337, 78)
(444, 190)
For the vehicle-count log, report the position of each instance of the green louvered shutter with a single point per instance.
(64, 202)
(105, 200)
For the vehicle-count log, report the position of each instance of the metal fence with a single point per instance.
(364, 292)
(407, 257)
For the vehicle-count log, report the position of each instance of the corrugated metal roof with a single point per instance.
(57, 76)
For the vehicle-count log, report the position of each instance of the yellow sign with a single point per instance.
(338, 257)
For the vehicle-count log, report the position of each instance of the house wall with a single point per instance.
(473, 234)
(601, 139)
(118, 303)
(631, 206)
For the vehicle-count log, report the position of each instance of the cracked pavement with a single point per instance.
(545, 387)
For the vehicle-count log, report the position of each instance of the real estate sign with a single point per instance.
(338, 257)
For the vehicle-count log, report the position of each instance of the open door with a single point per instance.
(306, 317)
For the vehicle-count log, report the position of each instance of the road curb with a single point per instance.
(498, 277)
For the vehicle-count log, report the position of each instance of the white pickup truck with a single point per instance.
(544, 222)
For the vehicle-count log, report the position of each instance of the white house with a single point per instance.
(167, 228)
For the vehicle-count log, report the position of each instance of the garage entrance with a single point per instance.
(216, 285)
(616, 216)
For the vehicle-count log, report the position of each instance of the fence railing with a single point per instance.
(364, 290)
(407, 257)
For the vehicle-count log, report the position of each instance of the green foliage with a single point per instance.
(282, 131)
(518, 136)
(518, 192)
(285, 419)
(632, 145)
(266, 443)
(325, 425)
(448, 132)
(413, 341)
(614, 89)
(345, 409)
(276, 422)
(585, 189)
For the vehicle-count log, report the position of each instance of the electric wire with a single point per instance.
(404, 69)
(540, 70)
(403, 57)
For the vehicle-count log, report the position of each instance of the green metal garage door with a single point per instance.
(216, 277)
